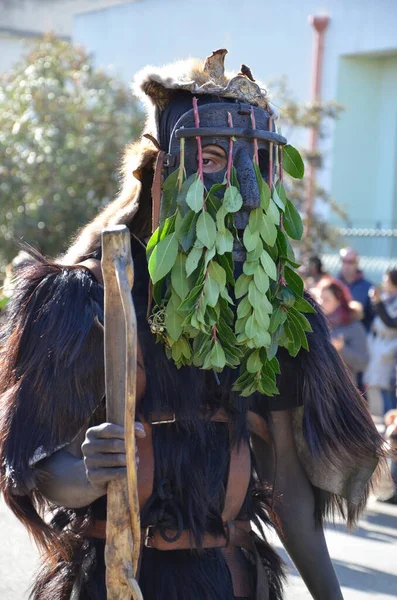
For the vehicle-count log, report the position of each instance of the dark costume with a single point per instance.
(207, 485)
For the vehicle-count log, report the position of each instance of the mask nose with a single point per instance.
(248, 187)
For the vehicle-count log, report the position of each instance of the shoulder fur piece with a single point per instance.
(154, 85)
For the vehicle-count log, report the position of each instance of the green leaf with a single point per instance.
(255, 254)
(217, 187)
(187, 230)
(169, 196)
(251, 327)
(277, 198)
(299, 339)
(217, 273)
(268, 230)
(226, 296)
(179, 281)
(294, 281)
(292, 162)
(264, 190)
(261, 280)
(217, 356)
(181, 199)
(211, 291)
(274, 213)
(241, 323)
(262, 318)
(250, 239)
(255, 218)
(304, 323)
(242, 284)
(292, 222)
(206, 230)
(160, 234)
(232, 200)
(268, 265)
(249, 268)
(278, 316)
(220, 218)
(255, 297)
(224, 241)
(254, 363)
(158, 292)
(243, 308)
(302, 336)
(195, 195)
(193, 259)
(163, 258)
(209, 255)
(262, 339)
(304, 306)
(226, 261)
(173, 320)
(234, 179)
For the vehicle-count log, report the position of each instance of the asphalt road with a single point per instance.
(366, 560)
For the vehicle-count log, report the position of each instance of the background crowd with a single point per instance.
(363, 323)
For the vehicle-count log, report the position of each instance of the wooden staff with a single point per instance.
(123, 530)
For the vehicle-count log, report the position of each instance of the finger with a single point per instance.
(103, 446)
(106, 431)
(103, 476)
(139, 430)
(99, 461)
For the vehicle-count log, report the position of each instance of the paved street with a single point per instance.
(366, 561)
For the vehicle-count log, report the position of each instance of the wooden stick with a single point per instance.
(123, 523)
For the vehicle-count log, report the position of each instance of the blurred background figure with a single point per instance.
(316, 277)
(391, 436)
(351, 276)
(381, 371)
(348, 333)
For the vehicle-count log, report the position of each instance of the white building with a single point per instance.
(24, 20)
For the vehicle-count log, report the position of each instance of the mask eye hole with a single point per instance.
(214, 159)
(263, 156)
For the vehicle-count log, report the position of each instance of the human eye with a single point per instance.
(214, 159)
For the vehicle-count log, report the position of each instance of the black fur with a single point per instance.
(52, 380)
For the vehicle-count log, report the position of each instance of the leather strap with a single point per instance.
(156, 189)
(236, 535)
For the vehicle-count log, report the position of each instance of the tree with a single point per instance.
(63, 127)
(304, 117)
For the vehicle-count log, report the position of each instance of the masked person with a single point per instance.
(281, 439)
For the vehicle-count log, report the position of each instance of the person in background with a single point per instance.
(382, 310)
(348, 333)
(383, 342)
(391, 437)
(351, 276)
(316, 277)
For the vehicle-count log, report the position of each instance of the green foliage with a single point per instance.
(63, 126)
(196, 317)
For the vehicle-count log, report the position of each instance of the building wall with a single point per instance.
(46, 15)
(22, 21)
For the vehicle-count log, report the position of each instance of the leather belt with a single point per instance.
(238, 533)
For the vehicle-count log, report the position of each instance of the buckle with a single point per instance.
(162, 418)
(148, 536)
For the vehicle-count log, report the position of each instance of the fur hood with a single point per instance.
(155, 88)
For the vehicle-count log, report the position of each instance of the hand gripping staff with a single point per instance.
(123, 522)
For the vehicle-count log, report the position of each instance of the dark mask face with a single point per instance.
(215, 134)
